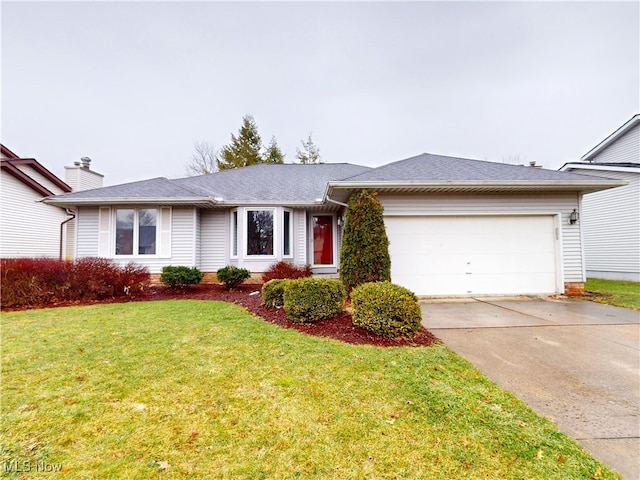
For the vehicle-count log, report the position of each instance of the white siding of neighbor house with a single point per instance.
(29, 228)
(180, 235)
(624, 149)
(572, 264)
(611, 228)
(38, 177)
(214, 240)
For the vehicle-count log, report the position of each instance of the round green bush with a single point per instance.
(180, 276)
(273, 292)
(313, 299)
(232, 276)
(385, 309)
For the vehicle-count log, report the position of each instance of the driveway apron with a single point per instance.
(573, 361)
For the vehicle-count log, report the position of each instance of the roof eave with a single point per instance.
(475, 186)
(599, 167)
(204, 202)
(88, 202)
(628, 125)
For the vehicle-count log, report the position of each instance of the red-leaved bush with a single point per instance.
(285, 270)
(41, 281)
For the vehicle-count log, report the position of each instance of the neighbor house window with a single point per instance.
(259, 232)
(286, 233)
(136, 231)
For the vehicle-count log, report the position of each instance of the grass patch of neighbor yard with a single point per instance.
(614, 292)
(201, 389)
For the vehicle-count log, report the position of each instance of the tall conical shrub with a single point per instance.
(364, 256)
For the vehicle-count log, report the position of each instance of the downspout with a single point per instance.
(73, 216)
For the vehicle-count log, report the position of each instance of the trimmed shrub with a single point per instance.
(233, 276)
(313, 299)
(385, 309)
(45, 281)
(364, 255)
(180, 276)
(286, 270)
(273, 292)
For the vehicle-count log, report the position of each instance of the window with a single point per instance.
(136, 231)
(234, 233)
(286, 233)
(259, 232)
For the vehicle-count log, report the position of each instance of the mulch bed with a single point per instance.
(339, 328)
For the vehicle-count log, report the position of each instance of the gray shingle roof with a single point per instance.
(153, 188)
(304, 184)
(285, 183)
(272, 183)
(437, 168)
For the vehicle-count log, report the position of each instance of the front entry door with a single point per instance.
(323, 240)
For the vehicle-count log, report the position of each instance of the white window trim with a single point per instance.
(234, 242)
(276, 236)
(290, 233)
(160, 230)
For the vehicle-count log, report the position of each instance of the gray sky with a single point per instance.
(134, 84)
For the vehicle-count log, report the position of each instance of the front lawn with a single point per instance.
(614, 292)
(201, 389)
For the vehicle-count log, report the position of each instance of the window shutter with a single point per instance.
(104, 236)
(165, 232)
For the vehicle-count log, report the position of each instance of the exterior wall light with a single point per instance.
(573, 217)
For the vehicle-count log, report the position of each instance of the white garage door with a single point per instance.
(473, 255)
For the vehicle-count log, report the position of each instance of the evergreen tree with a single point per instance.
(310, 152)
(273, 154)
(244, 150)
(364, 256)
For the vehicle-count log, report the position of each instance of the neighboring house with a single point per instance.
(611, 219)
(456, 226)
(28, 227)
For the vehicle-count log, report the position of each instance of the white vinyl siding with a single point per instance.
(213, 240)
(624, 149)
(300, 237)
(41, 179)
(611, 228)
(29, 228)
(182, 242)
(88, 232)
(80, 179)
(571, 264)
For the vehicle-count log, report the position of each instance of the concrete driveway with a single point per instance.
(573, 361)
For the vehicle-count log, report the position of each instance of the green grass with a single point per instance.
(615, 292)
(196, 389)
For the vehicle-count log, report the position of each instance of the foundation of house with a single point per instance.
(572, 289)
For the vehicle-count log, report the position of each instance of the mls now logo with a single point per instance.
(22, 466)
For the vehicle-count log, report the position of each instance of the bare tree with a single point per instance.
(203, 160)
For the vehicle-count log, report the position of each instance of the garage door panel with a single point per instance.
(452, 255)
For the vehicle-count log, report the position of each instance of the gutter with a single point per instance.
(73, 216)
(584, 186)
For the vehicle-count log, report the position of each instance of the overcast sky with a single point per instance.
(133, 85)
